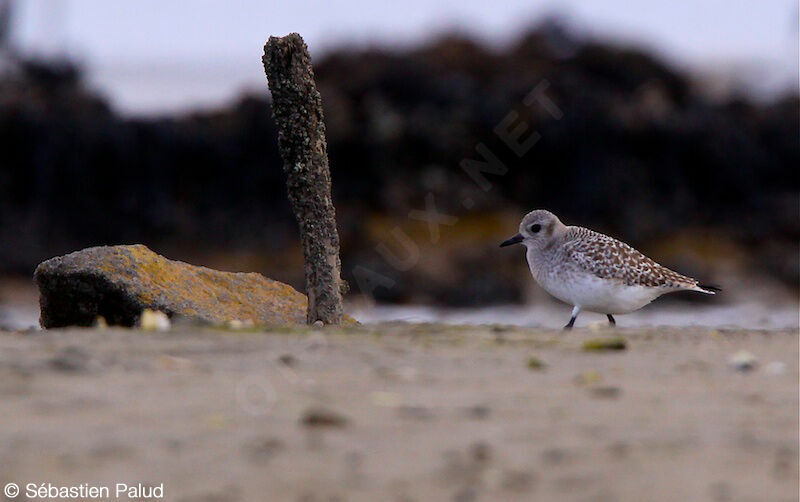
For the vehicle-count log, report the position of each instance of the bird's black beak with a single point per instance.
(514, 240)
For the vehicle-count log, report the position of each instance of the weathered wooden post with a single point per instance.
(297, 106)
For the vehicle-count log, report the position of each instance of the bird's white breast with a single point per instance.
(578, 287)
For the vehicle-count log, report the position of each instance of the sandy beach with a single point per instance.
(403, 412)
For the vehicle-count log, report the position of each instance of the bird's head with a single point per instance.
(537, 228)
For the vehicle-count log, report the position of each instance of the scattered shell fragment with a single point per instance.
(154, 320)
(240, 324)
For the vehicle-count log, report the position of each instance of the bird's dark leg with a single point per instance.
(575, 311)
(611, 321)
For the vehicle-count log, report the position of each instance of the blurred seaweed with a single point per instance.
(640, 152)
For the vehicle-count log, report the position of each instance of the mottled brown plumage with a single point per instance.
(609, 258)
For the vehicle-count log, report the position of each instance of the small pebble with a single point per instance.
(287, 360)
(320, 417)
(743, 361)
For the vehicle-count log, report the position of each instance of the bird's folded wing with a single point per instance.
(611, 259)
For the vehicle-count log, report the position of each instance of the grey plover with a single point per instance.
(593, 271)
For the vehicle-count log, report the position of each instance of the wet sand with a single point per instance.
(403, 412)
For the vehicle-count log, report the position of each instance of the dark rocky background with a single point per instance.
(706, 184)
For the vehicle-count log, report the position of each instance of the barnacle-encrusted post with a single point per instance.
(297, 106)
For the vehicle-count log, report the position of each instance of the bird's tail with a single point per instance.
(709, 289)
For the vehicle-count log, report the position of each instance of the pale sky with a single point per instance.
(159, 56)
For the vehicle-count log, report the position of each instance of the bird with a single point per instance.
(592, 271)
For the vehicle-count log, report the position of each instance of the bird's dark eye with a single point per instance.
(535, 228)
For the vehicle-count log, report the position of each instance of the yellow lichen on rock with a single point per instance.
(119, 282)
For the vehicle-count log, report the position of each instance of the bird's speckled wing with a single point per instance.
(609, 258)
